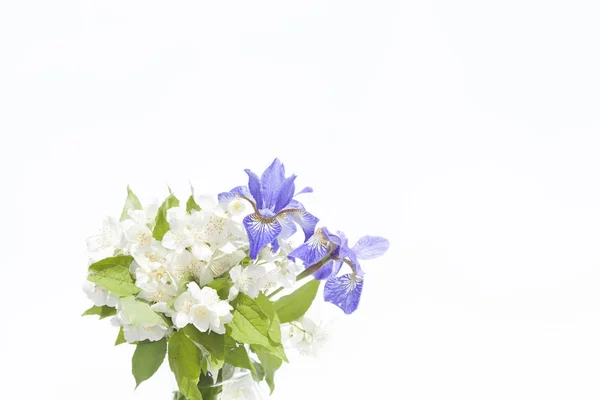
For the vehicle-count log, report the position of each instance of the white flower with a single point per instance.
(179, 237)
(141, 331)
(305, 336)
(283, 273)
(238, 207)
(138, 236)
(180, 263)
(99, 295)
(239, 389)
(144, 332)
(146, 256)
(109, 239)
(223, 262)
(156, 283)
(203, 309)
(162, 307)
(249, 280)
(146, 216)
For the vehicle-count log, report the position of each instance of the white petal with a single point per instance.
(181, 319)
(201, 251)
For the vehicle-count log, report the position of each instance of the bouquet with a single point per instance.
(199, 282)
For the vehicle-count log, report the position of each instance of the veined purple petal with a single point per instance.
(254, 186)
(285, 192)
(235, 193)
(357, 268)
(313, 250)
(369, 247)
(306, 221)
(275, 245)
(307, 189)
(261, 231)
(328, 270)
(270, 181)
(295, 205)
(344, 292)
(288, 226)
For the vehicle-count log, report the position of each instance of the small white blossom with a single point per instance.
(147, 256)
(138, 237)
(141, 331)
(156, 283)
(305, 336)
(99, 295)
(239, 389)
(249, 280)
(107, 241)
(181, 263)
(283, 273)
(203, 309)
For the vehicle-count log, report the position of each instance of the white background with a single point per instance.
(467, 132)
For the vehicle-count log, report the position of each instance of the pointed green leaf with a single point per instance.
(120, 337)
(211, 344)
(139, 312)
(270, 364)
(237, 355)
(147, 358)
(191, 205)
(103, 312)
(184, 360)
(162, 225)
(293, 306)
(252, 325)
(131, 203)
(268, 308)
(112, 273)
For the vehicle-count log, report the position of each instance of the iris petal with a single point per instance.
(344, 292)
(261, 231)
(311, 251)
(254, 186)
(270, 181)
(235, 193)
(369, 247)
(306, 221)
(285, 193)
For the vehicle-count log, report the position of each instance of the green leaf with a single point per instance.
(211, 344)
(184, 360)
(252, 325)
(292, 307)
(120, 337)
(222, 286)
(147, 358)
(270, 364)
(237, 355)
(113, 274)
(191, 205)
(139, 312)
(162, 226)
(103, 312)
(268, 308)
(131, 203)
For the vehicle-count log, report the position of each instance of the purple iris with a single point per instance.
(275, 210)
(344, 291)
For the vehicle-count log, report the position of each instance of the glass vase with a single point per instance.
(238, 386)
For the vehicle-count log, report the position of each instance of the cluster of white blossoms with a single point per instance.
(200, 246)
(305, 335)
